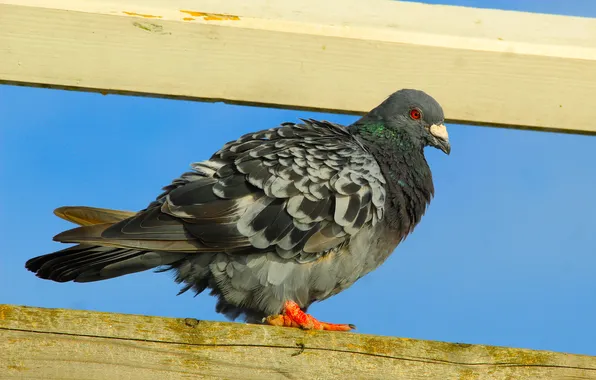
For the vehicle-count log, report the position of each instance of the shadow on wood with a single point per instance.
(74, 344)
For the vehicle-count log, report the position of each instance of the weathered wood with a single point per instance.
(485, 66)
(72, 344)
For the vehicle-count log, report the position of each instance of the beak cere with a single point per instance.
(439, 132)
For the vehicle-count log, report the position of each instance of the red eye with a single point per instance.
(415, 114)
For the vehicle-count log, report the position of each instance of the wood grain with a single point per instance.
(71, 344)
(486, 67)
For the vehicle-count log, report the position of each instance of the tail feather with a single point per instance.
(86, 263)
(82, 234)
(93, 235)
(96, 258)
(88, 216)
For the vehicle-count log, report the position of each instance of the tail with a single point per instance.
(89, 216)
(89, 262)
(86, 263)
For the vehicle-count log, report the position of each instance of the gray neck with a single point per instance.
(402, 162)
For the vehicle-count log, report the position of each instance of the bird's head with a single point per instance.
(414, 112)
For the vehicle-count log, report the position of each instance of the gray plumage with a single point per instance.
(298, 212)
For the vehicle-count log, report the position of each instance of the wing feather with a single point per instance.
(302, 189)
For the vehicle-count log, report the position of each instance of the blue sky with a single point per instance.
(505, 255)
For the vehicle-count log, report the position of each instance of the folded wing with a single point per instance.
(299, 190)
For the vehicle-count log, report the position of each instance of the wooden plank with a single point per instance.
(485, 66)
(72, 344)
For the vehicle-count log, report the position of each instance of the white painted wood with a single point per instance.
(485, 66)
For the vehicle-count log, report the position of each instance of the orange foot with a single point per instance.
(293, 316)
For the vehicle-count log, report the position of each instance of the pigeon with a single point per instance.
(275, 220)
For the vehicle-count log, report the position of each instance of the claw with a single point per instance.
(293, 316)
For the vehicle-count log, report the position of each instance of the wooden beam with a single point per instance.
(57, 344)
(485, 66)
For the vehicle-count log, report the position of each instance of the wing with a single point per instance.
(299, 189)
